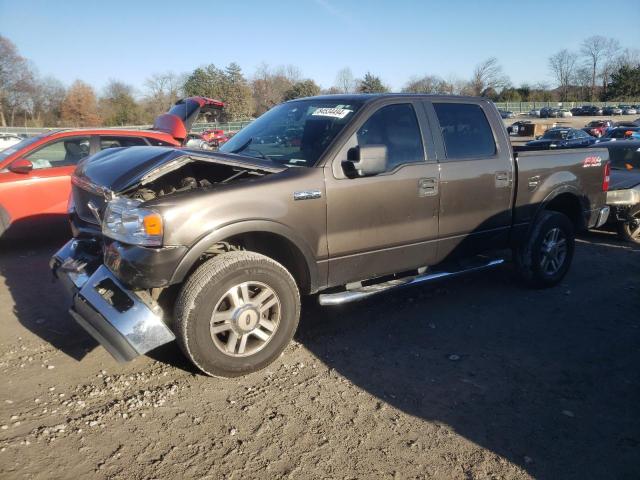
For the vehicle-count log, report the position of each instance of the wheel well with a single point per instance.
(280, 249)
(569, 205)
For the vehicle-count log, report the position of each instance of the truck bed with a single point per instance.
(542, 172)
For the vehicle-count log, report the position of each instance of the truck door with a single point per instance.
(387, 222)
(476, 177)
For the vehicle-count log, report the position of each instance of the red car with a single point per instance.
(215, 137)
(598, 128)
(35, 173)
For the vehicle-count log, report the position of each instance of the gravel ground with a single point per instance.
(476, 377)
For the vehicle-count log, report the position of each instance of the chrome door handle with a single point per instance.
(427, 187)
(502, 179)
(534, 182)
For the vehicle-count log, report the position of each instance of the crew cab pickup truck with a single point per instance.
(367, 194)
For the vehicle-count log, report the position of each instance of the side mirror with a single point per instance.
(20, 166)
(366, 161)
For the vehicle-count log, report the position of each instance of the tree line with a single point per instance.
(600, 70)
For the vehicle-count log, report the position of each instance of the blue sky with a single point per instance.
(129, 40)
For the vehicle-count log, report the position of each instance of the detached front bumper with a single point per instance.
(125, 322)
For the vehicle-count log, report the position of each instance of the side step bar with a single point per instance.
(363, 292)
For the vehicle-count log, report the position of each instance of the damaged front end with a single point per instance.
(127, 323)
(119, 255)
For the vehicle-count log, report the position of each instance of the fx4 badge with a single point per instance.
(593, 161)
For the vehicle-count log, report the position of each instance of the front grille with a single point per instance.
(81, 199)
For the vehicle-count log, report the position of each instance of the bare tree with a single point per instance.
(161, 91)
(16, 81)
(47, 99)
(583, 81)
(426, 84)
(488, 74)
(270, 85)
(563, 68)
(599, 51)
(345, 82)
(630, 57)
(117, 104)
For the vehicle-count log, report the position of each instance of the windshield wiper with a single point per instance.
(244, 147)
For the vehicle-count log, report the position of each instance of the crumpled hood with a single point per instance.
(623, 179)
(119, 169)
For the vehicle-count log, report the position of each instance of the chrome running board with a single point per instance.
(353, 295)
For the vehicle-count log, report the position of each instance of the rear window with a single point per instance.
(465, 130)
(625, 158)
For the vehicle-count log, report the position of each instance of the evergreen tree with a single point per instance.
(625, 83)
(371, 84)
(305, 88)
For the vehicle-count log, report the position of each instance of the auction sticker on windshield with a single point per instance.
(332, 112)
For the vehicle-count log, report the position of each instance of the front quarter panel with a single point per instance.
(198, 219)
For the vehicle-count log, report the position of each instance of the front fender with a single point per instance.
(248, 226)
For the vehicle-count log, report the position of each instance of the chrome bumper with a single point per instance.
(599, 217)
(125, 323)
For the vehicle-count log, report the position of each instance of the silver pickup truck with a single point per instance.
(348, 196)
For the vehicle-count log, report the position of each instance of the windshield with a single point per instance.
(625, 158)
(293, 133)
(555, 134)
(18, 146)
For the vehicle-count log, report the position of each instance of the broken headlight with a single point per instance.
(125, 221)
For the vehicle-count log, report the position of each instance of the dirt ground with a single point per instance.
(476, 377)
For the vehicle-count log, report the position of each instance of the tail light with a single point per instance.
(605, 181)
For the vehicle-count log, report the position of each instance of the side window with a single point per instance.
(159, 143)
(465, 130)
(396, 127)
(115, 142)
(61, 153)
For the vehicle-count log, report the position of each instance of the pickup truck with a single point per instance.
(376, 192)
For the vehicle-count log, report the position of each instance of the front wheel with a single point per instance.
(237, 313)
(545, 256)
(630, 230)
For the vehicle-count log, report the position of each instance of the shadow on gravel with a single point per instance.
(547, 379)
(39, 303)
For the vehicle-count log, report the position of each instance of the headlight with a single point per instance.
(126, 222)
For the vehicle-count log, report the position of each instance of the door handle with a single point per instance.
(502, 179)
(427, 187)
(533, 182)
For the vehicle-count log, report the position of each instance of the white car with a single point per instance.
(565, 114)
(629, 111)
(8, 139)
(534, 113)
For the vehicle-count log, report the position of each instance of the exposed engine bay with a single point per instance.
(191, 176)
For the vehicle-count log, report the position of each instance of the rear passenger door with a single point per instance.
(476, 177)
(387, 222)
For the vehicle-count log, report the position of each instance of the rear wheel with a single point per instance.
(630, 230)
(237, 313)
(545, 257)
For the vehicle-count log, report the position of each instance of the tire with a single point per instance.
(236, 298)
(541, 261)
(630, 231)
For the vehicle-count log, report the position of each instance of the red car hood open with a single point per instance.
(178, 121)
